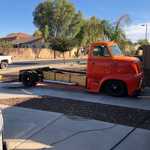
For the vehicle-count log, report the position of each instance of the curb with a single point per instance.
(144, 97)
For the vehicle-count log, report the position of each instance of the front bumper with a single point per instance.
(135, 84)
(140, 84)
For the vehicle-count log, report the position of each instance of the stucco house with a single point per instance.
(23, 40)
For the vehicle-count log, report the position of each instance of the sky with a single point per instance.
(16, 15)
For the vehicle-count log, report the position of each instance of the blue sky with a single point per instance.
(16, 15)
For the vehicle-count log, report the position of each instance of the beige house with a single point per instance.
(23, 40)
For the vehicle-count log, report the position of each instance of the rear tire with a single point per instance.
(29, 79)
(4, 65)
(116, 88)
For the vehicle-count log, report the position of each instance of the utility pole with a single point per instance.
(146, 36)
(146, 31)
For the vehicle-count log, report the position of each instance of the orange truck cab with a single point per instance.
(108, 69)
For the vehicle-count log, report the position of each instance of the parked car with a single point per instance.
(5, 60)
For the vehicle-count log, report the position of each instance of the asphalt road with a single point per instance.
(45, 62)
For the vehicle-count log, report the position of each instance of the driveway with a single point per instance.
(30, 129)
(35, 129)
(17, 90)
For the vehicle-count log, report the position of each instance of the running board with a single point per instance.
(59, 82)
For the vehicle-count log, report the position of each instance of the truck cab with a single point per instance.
(110, 70)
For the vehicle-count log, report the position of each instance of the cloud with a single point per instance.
(137, 31)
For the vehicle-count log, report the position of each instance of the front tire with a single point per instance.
(116, 88)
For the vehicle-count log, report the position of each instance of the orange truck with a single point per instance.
(107, 70)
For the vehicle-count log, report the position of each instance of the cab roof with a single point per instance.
(105, 43)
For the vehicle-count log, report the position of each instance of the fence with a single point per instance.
(31, 54)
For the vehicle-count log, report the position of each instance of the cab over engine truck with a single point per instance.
(107, 69)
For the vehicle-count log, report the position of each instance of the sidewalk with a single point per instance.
(16, 90)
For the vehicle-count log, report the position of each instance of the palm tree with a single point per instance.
(107, 30)
(93, 30)
(114, 32)
(90, 31)
(118, 32)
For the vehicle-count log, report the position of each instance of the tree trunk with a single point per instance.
(64, 57)
(77, 53)
(70, 54)
(54, 54)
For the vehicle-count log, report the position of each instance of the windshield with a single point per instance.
(116, 51)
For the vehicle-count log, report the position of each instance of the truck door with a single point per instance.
(99, 63)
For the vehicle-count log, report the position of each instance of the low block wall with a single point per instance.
(31, 54)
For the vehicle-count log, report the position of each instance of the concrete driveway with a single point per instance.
(28, 129)
(16, 90)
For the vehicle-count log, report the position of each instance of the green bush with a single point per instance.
(5, 44)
